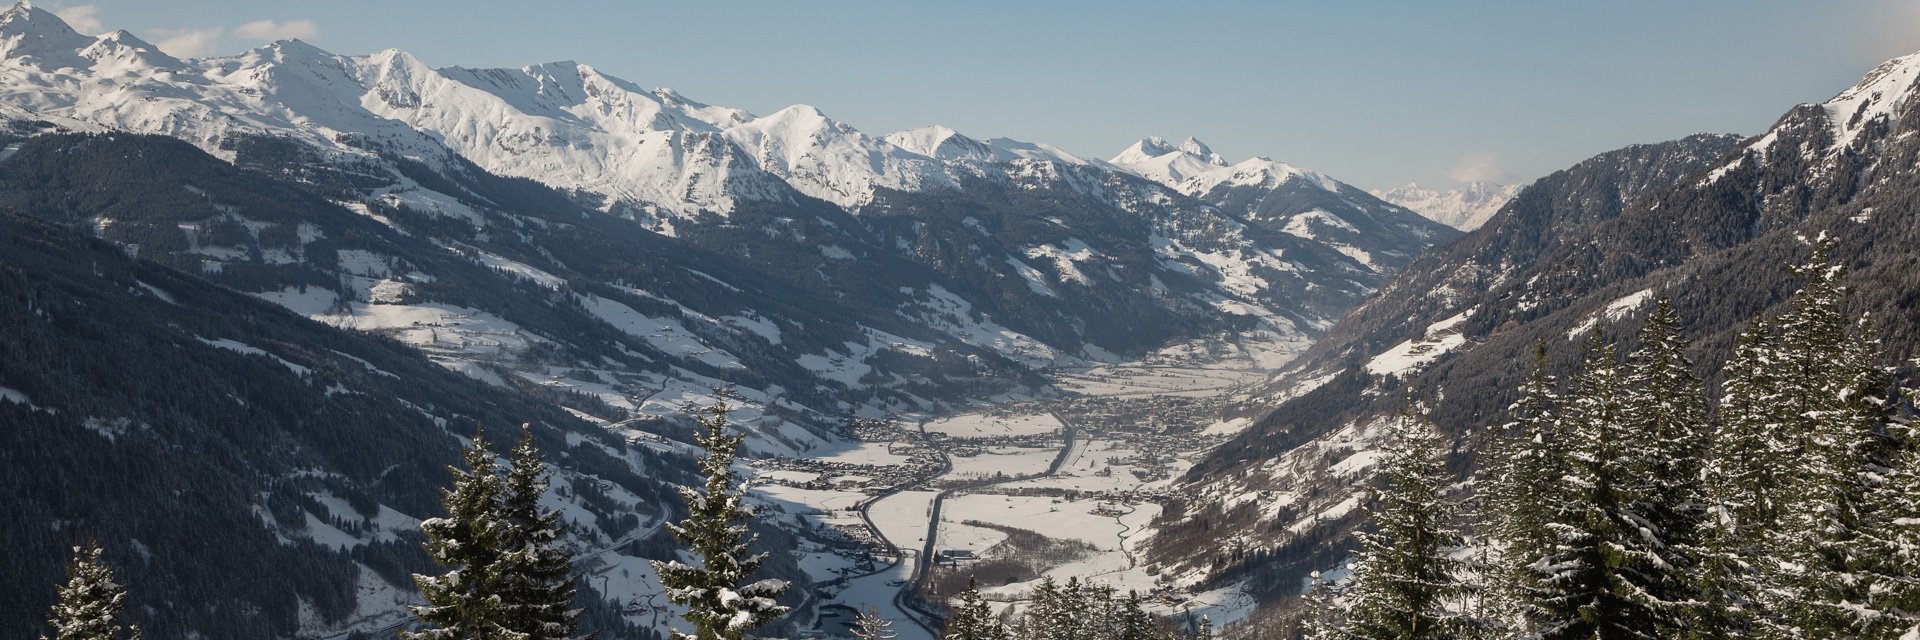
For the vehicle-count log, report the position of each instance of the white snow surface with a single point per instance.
(1154, 159)
(1413, 353)
(241, 347)
(1464, 208)
(1614, 311)
(1878, 95)
(562, 123)
(994, 424)
(1260, 172)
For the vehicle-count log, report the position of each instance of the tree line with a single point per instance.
(1070, 611)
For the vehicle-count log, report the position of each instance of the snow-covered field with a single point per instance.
(866, 453)
(993, 424)
(1052, 517)
(1012, 461)
(903, 517)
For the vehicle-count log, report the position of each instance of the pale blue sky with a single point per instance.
(1376, 93)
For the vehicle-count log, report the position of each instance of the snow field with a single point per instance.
(1051, 517)
(1011, 461)
(1439, 338)
(954, 535)
(878, 454)
(903, 517)
(989, 425)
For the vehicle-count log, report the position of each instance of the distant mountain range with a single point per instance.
(926, 247)
(1464, 209)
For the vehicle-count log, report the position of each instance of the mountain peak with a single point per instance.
(1196, 147)
(941, 142)
(1146, 149)
(294, 49)
(27, 31)
(1156, 150)
(1878, 94)
(128, 53)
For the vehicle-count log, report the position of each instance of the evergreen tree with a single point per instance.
(1745, 481)
(1108, 613)
(1525, 479)
(1042, 617)
(1319, 616)
(464, 602)
(869, 625)
(720, 605)
(973, 619)
(91, 603)
(1893, 547)
(1832, 398)
(1135, 623)
(1593, 580)
(534, 570)
(1403, 577)
(1667, 440)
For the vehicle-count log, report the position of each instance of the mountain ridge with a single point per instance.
(1711, 221)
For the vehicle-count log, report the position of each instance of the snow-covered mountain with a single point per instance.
(559, 233)
(1378, 235)
(943, 143)
(1464, 209)
(709, 173)
(1711, 221)
(1155, 159)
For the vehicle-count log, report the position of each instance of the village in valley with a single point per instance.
(1004, 496)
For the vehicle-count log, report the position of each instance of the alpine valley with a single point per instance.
(254, 306)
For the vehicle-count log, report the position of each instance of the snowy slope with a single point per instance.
(1074, 241)
(1155, 159)
(943, 143)
(650, 152)
(1464, 209)
(1376, 236)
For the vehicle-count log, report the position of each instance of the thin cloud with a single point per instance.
(273, 30)
(84, 18)
(188, 43)
(1477, 167)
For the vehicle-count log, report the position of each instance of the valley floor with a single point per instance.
(1012, 493)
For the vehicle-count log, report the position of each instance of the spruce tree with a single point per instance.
(1403, 576)
(869, 625)
(1320, 616)
(1832, 396)
(1526, 477)
(464, 602)
(972, 619)
(91, 604)
(1746, 478)
(1893, 547)
(1135, 623)
(1041, 619)
(721, 605)
(1591, 581)
(1667, 439)
(534, 569)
